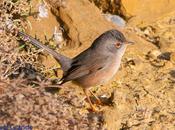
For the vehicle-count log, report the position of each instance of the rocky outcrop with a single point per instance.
(84, 22)
(146, 11)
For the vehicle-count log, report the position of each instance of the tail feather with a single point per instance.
(63, 60)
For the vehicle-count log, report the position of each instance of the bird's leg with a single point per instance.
(98, 100)
(89, 100)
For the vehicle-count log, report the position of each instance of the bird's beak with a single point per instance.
(129, 42)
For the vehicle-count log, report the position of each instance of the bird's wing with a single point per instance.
(84, 67)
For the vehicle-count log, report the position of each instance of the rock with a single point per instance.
(167, 41)
(154, 54)
(164, 56)
(172, 57)
(86, 25)
(147, 11)
(117, 20)
(82, 21)
(135, 64)
(108, 6)
(44, 26)
(19, 97)
(43, 11)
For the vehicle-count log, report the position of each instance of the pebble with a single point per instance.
(117, 20)
(43, 11)
(19, 97)
(154, 54)
(172, 57)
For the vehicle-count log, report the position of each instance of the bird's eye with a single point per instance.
(118, 44)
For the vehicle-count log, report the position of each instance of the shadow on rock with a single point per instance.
(172, 73)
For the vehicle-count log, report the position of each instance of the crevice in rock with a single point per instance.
(111, 7)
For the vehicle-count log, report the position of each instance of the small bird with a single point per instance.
(94, 66)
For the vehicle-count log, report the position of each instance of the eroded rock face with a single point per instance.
(41, 27)
(161, 32)
(146, 11)
(82, 20)
(137, 11)
(84, 23)
(108, 6)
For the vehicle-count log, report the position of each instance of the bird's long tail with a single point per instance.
(63, 60)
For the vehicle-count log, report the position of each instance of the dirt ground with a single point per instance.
(140, 97)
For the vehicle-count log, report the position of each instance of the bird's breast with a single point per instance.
(101, 76)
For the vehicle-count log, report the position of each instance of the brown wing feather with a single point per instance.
(85, 67)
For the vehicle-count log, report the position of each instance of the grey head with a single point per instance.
(112, 41)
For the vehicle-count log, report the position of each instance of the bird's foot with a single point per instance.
(94, 109)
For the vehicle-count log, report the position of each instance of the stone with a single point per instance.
(146, 11)
(83, 27)
(117, 20)
(36, 28)
(154, 54)
(172, 57)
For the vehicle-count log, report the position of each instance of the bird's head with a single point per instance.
(111, 41)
